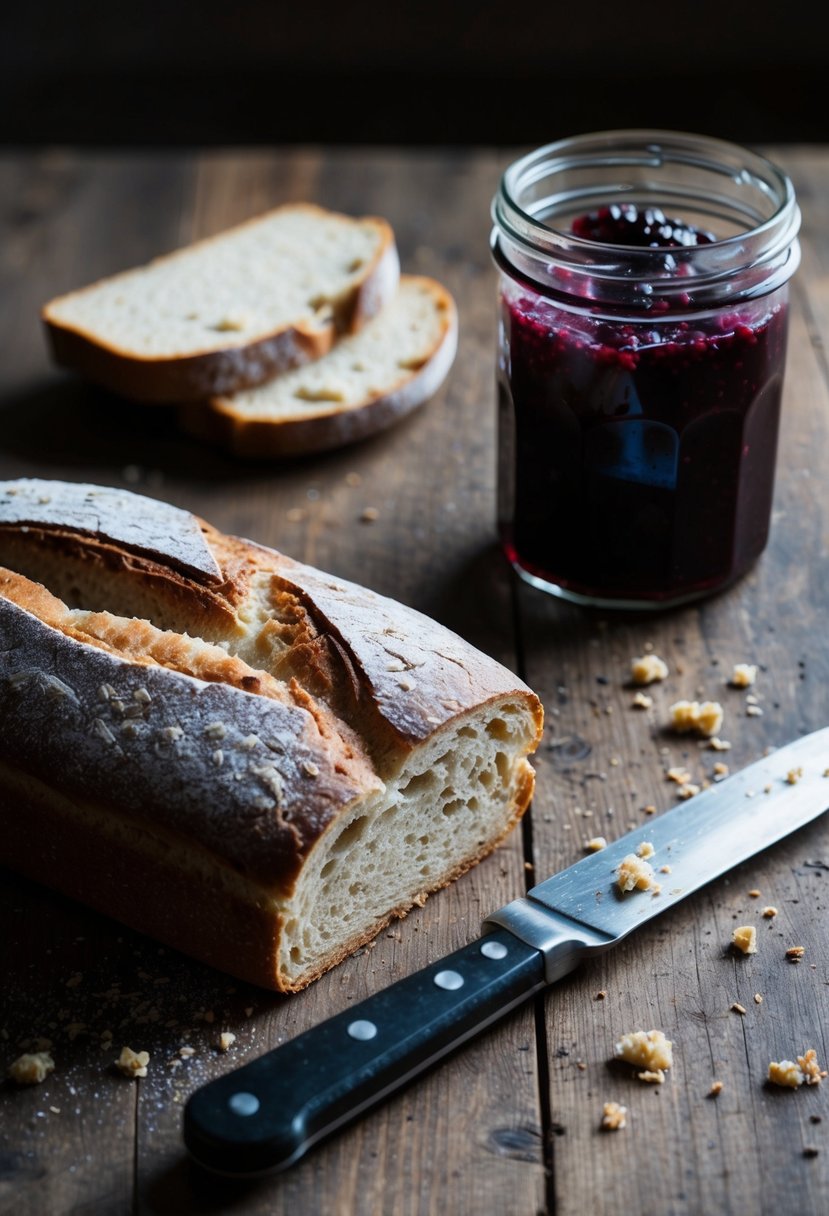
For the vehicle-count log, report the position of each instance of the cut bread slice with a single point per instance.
(365, 383)
(231, 311)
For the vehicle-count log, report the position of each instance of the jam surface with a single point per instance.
(637, 458)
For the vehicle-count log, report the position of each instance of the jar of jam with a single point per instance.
(642, 341)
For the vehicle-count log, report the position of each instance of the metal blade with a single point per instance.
(700, 839)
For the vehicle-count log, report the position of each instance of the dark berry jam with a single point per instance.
(637, 457)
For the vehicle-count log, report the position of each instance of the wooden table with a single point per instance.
(510, 1124)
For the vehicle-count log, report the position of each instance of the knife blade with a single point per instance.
(263, 1117)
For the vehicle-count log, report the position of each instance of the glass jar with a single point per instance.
(642, 340)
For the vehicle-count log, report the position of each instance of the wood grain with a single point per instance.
(501, 1128)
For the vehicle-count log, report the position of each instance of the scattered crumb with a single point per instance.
(642, 701)
(186, 1053)
(758, 1000)
(716, 1088)
(810, 1068)
(133, 1063)
(595, 844)
(795, 952)
(226, 1040)
(754, 711)
(649, 809)
(680, 775)
(745, 938)
(743, 675)
(705, 718)
(648, 1049)
(689, 790)
(581, 1066)
(755, 893)
(600, 995)
(613, 1116)
(810, 1152)
(786, 1073)
(295, 515)
(369, 514)
(794, 775)
(645, 849)
(720, 770)
(737, 1008)
(632, 873)
(652, 1076)
(664, 869)
(648, 669)
(31, 1068)
(769, 912)
(719, 745)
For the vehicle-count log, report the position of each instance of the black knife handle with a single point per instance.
(264, 1116)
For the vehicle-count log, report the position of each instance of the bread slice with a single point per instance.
(366, 382)
(242, 756)
(231, 311)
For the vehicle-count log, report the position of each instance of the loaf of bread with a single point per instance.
(250, 760)
(366, 382)
(229, 312)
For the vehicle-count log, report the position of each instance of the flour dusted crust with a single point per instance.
(255, 762)
(116, 331)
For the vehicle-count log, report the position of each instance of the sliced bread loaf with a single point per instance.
(365, 383)
(231, 311)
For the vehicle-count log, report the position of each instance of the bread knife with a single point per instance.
(263, 1117)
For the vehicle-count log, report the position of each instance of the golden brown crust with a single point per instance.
(229, 770)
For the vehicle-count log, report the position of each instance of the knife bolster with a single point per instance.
(562, 941)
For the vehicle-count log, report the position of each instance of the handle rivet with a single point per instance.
(450, 980)
(362, 1030)
(494, 950)
(243, 1104)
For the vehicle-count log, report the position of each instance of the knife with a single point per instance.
(263, 1117)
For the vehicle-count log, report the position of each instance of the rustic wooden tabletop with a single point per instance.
(509, 1124)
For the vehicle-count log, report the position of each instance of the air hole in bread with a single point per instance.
(351, 834)
(420, 781)
(455, 805)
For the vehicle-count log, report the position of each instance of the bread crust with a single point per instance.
(255, 438)
(159, 761)
(200, 375)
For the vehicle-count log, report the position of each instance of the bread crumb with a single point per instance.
(743, 675)
(642, 701)
(758, 1000)
(133, 1063)
(226, 1040)
(794, 775)
(795, 952)
(600, 995)
(295, 515)
(705, 718)
(754, 711)
(652, 1076)
(645, 849)
(31, 1068)
(648, 1049)
(369, 514)
(613, 1116)
(632, 873)
(649, 809)
(719, 745)
(648, 669)
(786, 1073)
(186, 1053)
(745, 938)
(720, 770)
(664, 869)
(810, 1068)
(595, 844)
(680, 775)
(716, 1088)
(737, 1008)
(689, 790)
(769, 912)
(755, 893)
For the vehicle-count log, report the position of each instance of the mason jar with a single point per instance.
(642, 341)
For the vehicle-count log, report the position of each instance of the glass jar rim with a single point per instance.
(751, 262)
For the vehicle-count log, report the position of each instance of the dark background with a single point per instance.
(253, 72)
